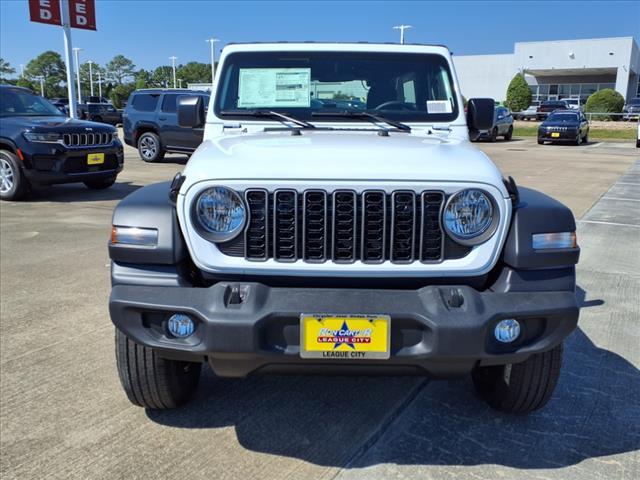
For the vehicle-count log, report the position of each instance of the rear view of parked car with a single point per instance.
(150, 123)
(631, 109)
(549, 106)
(502, 126)
(564, 126)
(574, 103)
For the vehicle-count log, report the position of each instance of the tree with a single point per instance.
(5, 68)
(194, 72)
(120, 68)
(23, 82)
(50, 66)
(604, 101)
(85, 78)
(162, 77)
(143, 79)
(120, 94)
(518, 94)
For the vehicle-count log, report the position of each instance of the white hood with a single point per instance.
(330, 155)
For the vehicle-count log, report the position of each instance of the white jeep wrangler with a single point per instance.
(336, 218)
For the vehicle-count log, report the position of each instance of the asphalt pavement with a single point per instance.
(63, 414)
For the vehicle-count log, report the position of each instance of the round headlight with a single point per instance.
(469, 217)
(219, 213)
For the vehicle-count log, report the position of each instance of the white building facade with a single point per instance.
(555, 70)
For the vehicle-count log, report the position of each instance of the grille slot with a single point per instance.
(344, 227)
(374, 209)
(403, 226)
(285, 225)
(256, 238)
(314, 226)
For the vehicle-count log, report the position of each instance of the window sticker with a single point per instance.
(439, 106)
(274, 87)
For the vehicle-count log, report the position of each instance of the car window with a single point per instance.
(145, 102)
(169, 103)
(20, 102)
(109, 108)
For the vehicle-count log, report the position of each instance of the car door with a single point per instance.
(175, 137)
(584, 125)
(500, 120)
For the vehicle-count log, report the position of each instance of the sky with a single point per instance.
(150, 31)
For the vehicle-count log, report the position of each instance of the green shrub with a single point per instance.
(518, 94)
(604, 101)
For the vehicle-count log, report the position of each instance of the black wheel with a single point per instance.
(578, 140)
(509, 135)
(150, 148)
(520, 387)
(13, 185)
(585, 139)
(151, 381)
(494, 134)
(540, 142)
(100, 184)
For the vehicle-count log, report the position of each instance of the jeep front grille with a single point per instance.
(342, 226)
(86, 139)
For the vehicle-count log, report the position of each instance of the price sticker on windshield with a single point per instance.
(274, 87)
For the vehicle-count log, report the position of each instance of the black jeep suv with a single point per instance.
(150, 123)
(40, 145)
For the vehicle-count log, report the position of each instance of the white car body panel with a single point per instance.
(240, 155)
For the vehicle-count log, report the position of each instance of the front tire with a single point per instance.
(150, 148)
(540, 142)
(100, 184)
(151, 381)
(520, 387)
(509, 135)
(494, 135)
(13, 185)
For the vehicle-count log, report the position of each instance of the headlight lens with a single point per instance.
(42, 137)
(220, 213)
(469, 217)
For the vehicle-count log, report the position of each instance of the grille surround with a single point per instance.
(75, 140)
(344, 226)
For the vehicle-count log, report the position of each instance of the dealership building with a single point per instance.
(556, 69)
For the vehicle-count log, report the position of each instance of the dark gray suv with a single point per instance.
(150, 123)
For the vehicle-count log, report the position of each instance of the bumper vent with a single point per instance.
(343, 226)
(87, 139)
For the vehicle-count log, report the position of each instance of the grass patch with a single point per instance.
(594, 133)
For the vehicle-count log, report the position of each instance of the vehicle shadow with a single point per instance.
(77, 192)
(363, 421)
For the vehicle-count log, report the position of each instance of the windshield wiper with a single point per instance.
(270, 114)
(373, 118)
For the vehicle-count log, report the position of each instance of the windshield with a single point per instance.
(563, 117)
(400, 86)
(14, 102)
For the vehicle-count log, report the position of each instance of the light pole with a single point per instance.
(179, 83)
(213, 41)
(173, 64)
(41, 78)
(90, 77)
(100, 83)
(402, 28)
(76, 51)
(22, 70)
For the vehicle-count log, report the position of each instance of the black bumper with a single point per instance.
(568, 136)
(428, 335)
(46, 164)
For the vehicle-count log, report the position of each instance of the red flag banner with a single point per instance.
(45, 11)
(82, 14)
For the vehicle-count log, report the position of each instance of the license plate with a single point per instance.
(95, 158)
(555, 135)
(345, 337)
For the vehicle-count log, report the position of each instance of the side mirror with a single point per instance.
(190, 111)
(480, 113)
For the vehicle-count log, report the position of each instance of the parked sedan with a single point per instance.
(502, 126)
(564, 126)
(531, 113)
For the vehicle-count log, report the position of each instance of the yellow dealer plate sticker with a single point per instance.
(345, 337)
(95, 158)
(555, 135)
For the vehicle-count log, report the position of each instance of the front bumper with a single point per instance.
(262, 333)
(563, 136)
(48, 164)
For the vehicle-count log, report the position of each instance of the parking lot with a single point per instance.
(64, 415)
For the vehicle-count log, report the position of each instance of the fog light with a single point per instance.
(180, 325)
(507, 330)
